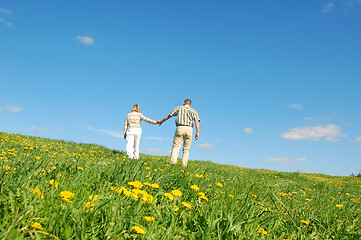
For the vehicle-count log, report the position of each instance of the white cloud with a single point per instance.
(206, 145)
(3, 10)
(39, 128)
(9, 24)
(14, 109)
(327, 7)
(295, 106)
(86, 40)
(330, 132)
(284, 160)
(108, 132)
(157, 150)
(248, 130)
(358, 139)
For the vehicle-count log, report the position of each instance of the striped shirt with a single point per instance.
(133, 120)
(185, 116)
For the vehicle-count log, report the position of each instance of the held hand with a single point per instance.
(125, 136)
(160, 123)
(197, 136)
(157, 122)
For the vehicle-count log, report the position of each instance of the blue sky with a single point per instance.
(276, 83)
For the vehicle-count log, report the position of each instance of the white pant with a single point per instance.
(133, 140)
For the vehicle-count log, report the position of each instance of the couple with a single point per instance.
(183, 134)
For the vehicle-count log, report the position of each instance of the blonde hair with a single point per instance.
(136, 108)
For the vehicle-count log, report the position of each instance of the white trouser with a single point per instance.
(133, 140)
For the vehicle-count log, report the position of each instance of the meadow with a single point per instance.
(54, 189)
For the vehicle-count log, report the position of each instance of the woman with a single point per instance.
(133, 131)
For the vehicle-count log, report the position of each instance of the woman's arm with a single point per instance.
(125, 127)
(148, 120)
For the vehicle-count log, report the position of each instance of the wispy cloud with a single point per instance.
(14, 109)
(327, 8)
(108, 132)
(157, 150)
(86, 40)
(295, 106)
(330, 132)
(284, 160)
(35, 128)
(206, 145)
(3, 10)
(358, 139)
(9, 24)
(248, 130)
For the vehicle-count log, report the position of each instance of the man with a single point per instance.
(184, 131)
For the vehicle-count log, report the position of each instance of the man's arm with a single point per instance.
(197, 129)
(164, 119)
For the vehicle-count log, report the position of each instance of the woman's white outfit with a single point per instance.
(133, 132)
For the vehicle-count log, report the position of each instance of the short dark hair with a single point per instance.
(188, 101)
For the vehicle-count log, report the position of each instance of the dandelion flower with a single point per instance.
(195, 187)
(219, 184)
(93, 197)
(261, 230)
(139, 230)
(66, 196)
(305, 222)
(177, 193)
(36, 225)
(339, 205)
(231, 196)
(332, 198)
(136, 184)
(155, 185)
(203, 197)
(169, 196)
(187, 205)
(52, 182)
(149, 219)
(308, 200)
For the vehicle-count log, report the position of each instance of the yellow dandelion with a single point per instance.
(80, 168)
(305, 222)
(93, 197)
(332, 198)
(52, 182)
(203, 197)
(169, 196)
(155, 185)
(307, 199)
(136, 184)
(139, 230)
(195, 187)
(149, 219)
(66, 196)
(219, 184)
(187, 205)
(262, 231)
(231, 196)
(339, 205)
(36, 225)
(177, 193)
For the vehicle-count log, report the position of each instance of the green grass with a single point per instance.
(242, 203)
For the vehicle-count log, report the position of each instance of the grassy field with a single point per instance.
(53, 189)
